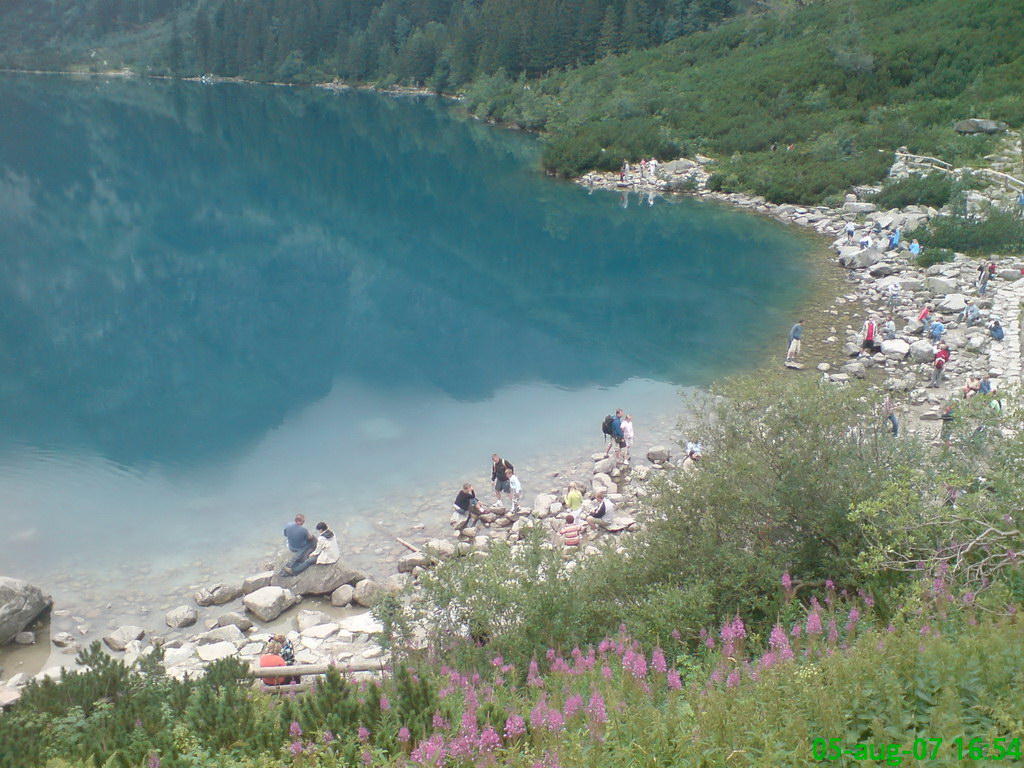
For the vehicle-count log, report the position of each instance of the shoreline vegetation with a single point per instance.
(816, 579)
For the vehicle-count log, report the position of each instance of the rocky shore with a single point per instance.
(325, 611)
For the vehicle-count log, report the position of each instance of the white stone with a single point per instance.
(267, 603)
(216, 651)
(182, 616)
(257, 581)
(895, 349)
(342, 596)
(321, 631)
(363, 622)
(120, 637)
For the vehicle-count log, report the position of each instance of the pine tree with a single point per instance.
(610, 41)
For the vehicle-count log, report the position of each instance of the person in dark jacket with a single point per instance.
(500, 469)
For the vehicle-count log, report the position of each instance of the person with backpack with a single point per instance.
(869, 330)
(500, 469)
(939, 365)
(613, 429)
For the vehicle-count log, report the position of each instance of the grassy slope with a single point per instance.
(839, 78)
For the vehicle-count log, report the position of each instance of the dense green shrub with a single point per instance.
(929, 256)
(933, 190)
(606, 144)
(996, 231)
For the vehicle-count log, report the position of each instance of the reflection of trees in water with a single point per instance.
(198, 261)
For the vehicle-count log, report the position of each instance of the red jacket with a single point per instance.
(941, 358)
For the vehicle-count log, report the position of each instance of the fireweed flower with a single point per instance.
(363, 734)
(533, 678)
(675, 683)
(296, 747)
(734, 679)
(403, 735)
(606, 672)
(539, 714)
(555, 722)
(596, 710)
(675, 635)
(658, 660)
(515, 726)
(439, 723)
(833, 631)
(738, 630)
(787, 581)
(795, 632)
(489, 740)
(366, 757)
(328, 737)
(852, 619)
(814, 623)
(385, 704)
(153, 761)
(295, 729)
(573, 704)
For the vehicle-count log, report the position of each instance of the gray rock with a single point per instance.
(234, 619)
(657, 454)
(257, 581)
(368, 593)
(319, 579)
(602, 482)
(411, 560)
(9, 696)
(979, 125)
(267, 603)
(862, 258)
(850, 349)
(605, 466)
(855, 369)
(218, 594)
(442, 549)
(543, 501)
(458, 521)
(307, 619)
(895, 349)
(25, 638)
(913, 326)
(226, 634)
(953, 302)
(174, 656)
(20, 604)
(855, 207)
(182, 616)
(921, 351)
(342, 596)
(1009, 274)
(217, 651)
(64, 639)
(120, 637)
(396, 582)
(939, 286)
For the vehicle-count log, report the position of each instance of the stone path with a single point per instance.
(1006, 355)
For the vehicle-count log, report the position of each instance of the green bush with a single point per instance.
(934, 190)
(605, 144)
(997, 231)
(929, 256)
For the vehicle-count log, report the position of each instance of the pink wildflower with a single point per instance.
(573, 704)
(555, 721)
(489, 739)
(674, 681)
(295, 729)
(734, 679)
(328, 737)
(366, 757)
(539, 714)
(439, 723)
(596, 710)
(795, 632)
(814, 623)
(636, 664)
(787, 581)
(675, 635)
(833, 631)
(296, 747)
(658, 660)
(515, 726)
(362, 734)
(404, 736)
(606, 672)
(385, 704)
(497, 661)
(533, 678)
(153, 761)
(738, 630)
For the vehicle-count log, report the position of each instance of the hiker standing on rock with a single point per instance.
(869, 330)
(889, 412)
(612, 427)
(499, 476)
(939, 365)
(795, 334)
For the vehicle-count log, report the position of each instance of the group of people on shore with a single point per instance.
(648, 169)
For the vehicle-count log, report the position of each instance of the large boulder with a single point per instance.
(119, 639)
(605, 466)
(307, 619)
(895, 349)
(234, 619)
(855, 207)
(939, 286)
(411, 560)
(979, 125)
(368, 593)
(218, 594)
(1009, 274)
(20, 603)
(257, 581)
(267, 603)
(922, 351)
(862, 258)
(343, 595)
(318, 579)
(182, 616)
(658, 454)
(953, 302)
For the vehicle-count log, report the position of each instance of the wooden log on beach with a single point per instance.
(296, 670)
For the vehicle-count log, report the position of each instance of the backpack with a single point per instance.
(606, 426)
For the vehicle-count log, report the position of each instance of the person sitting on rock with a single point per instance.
(971, 314)
(866, 241)
(690, 462)
(995, 328)
(272, 658)
(603, 509)
(925, 319)
(467, 502)
(300, 542)
(972, 387)
(571, 532)
(573, 499)
(889, 329)
(326, 552)
(915, 248)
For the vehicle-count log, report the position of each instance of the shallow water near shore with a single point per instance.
(225, 304)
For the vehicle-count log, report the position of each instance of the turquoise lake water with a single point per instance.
(226, 303)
